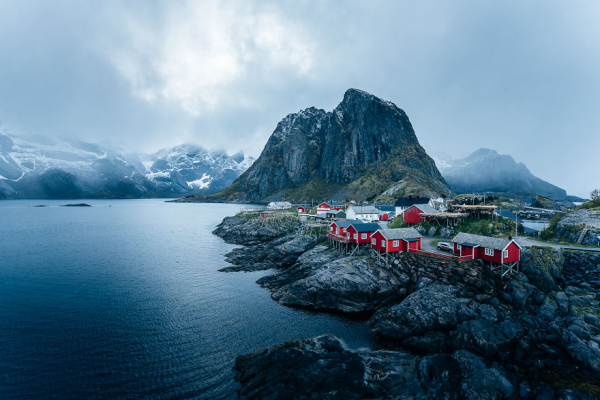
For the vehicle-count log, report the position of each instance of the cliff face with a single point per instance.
(365, 147)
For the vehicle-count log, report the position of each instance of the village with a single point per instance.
(386, 231)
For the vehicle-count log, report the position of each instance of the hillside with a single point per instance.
(487, 171)
(365, 149)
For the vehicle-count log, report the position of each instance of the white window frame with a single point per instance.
(458, 247)
(356, 236)
(383, 242)
(332, 228)
(489, 252)
(363, 236)
(396, 243)
(374, 242)
(505, 254)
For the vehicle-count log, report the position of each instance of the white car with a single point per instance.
(445, 246)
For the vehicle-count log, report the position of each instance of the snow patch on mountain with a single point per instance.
(35, 167)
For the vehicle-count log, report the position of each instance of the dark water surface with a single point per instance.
(124, 299)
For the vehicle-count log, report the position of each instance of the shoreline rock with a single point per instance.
(524, 325)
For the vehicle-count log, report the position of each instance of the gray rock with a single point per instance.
(548, 310)
(563, 302)
(542, 265)
(323, 368)
(435, 307)
(487, 338)
(346, 284)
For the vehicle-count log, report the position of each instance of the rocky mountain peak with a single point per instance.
(335, 149)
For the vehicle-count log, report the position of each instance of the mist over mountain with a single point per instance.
(45, 168)
(487, 171)
(364, 149)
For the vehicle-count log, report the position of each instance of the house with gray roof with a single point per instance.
(366, 213)
(486, 248)
(396, 240)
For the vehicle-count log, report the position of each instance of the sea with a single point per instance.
(124, 299)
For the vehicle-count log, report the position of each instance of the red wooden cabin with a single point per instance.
(494, 250)
(330, 205)
(360, 233)
(396, 240)
(413, 214)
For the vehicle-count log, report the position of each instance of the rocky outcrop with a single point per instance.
(527, 331)
(331, 371)
(571, 225)
(365, 147)
(251, 231)
(542, 266)
(323, 280)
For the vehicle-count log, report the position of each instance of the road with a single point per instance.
(523, 241)
(427, 244)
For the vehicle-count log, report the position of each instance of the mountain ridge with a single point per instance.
(47, 168)
(485, 170)
(364, 149)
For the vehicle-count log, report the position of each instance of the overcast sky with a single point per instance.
(520, 77)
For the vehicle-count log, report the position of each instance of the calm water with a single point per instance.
(124, 300)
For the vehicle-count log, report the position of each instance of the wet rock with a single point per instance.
(327, 282)
(487, 338)
(432, 308)
(249, 231)
(323, 368)
(542, 266)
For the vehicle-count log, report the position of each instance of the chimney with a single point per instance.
(509, 238)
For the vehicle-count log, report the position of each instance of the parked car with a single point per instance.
(445, 246)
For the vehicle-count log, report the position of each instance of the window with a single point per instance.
(505, 253)
(458, 247)
(356, 236)
(374, 242)
(383, 243)
(331, 229)
(489, 252)
(396, 243)
(363, 236)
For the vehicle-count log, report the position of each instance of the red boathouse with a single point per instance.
(499, 251)
(413, 214)
(330, 205)
(396, 240)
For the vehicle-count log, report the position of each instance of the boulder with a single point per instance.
(542, 265)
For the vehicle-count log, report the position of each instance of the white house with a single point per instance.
(404, 203)
(279, 205)
(365, 213)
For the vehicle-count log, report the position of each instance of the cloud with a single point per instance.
(200, 53)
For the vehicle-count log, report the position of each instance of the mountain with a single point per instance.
(365, 149)
(45, 168)
(191, 170)
(487, 171)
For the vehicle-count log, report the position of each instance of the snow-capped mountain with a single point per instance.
(51, 168)
(189, 169)
(487, 171)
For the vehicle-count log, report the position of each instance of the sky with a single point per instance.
(519, 77)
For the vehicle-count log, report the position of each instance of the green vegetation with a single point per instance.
(594, 203)
(397, 223)
(500, 227)
(550, 232)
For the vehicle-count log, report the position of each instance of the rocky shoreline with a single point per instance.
(450, 330)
